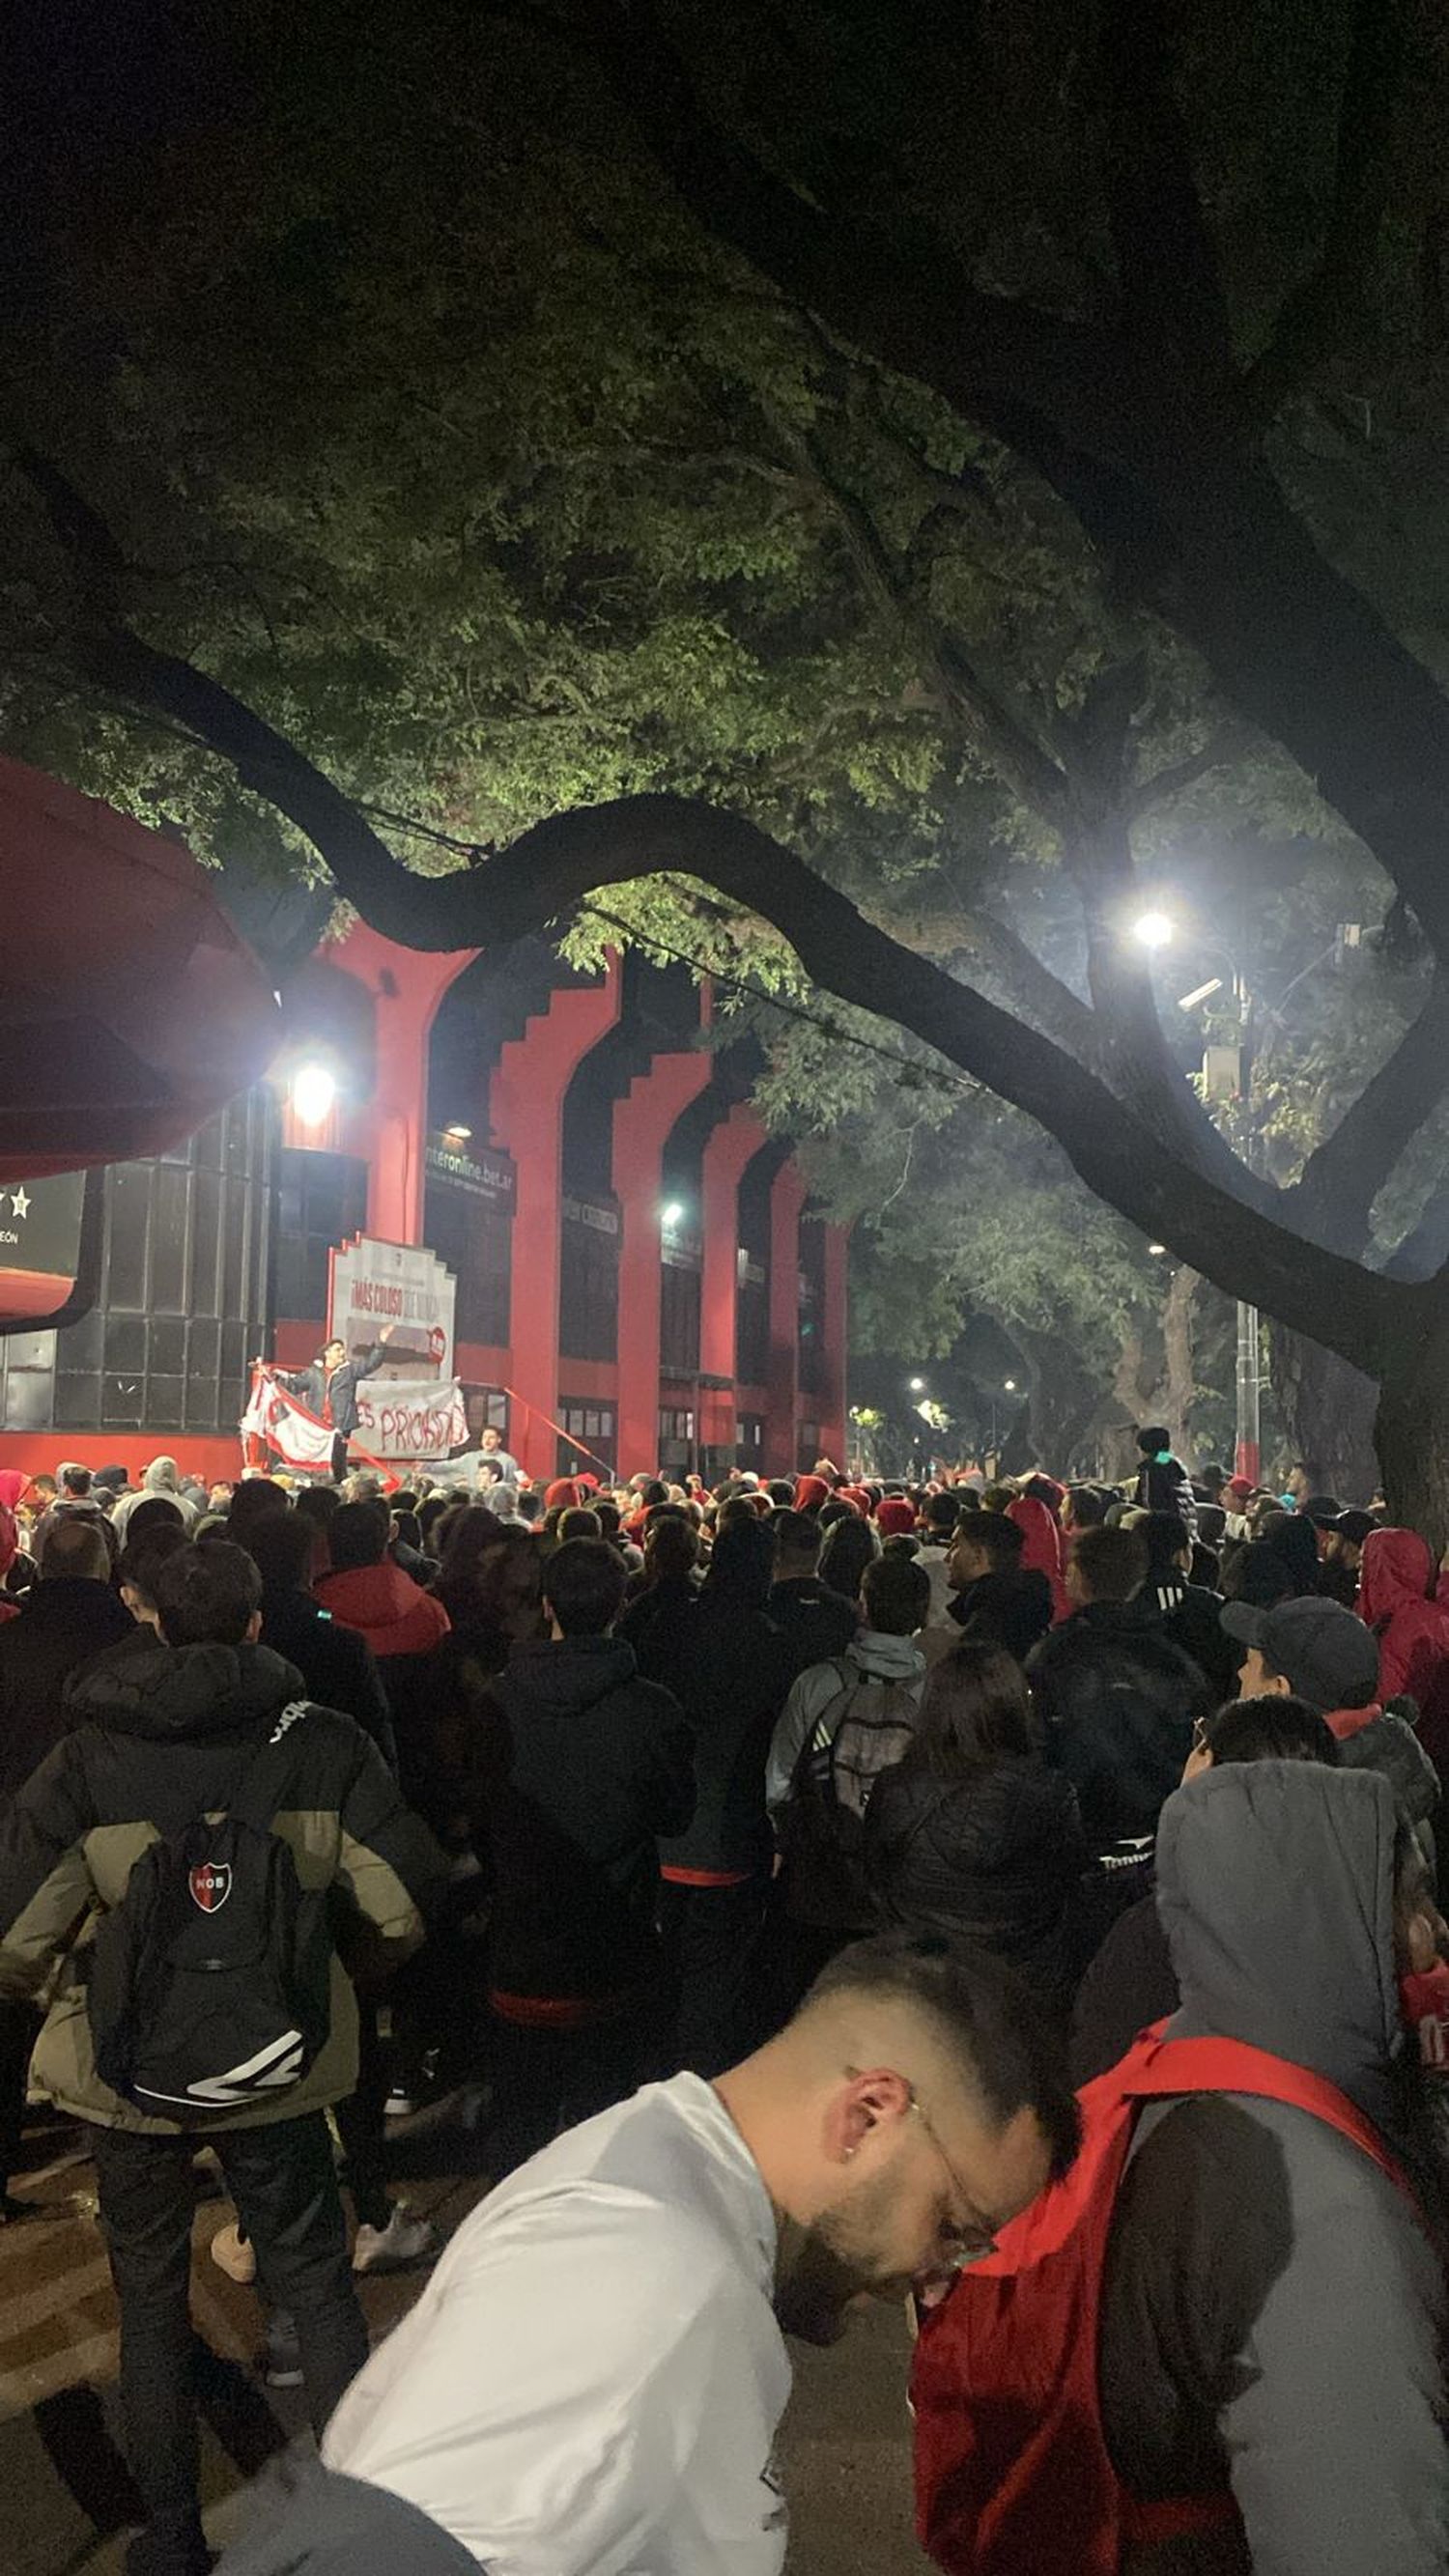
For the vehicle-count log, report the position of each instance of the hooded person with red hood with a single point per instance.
(1041, 1551)
(1397, 1599)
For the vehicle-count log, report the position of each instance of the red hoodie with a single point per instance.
(386, 1607)
(1042, 1549)
(1395, 1600)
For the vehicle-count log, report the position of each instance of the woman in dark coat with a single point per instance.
(972, 1834)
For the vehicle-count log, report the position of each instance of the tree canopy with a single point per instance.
(859, 497)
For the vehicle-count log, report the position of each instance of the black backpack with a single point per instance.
(210, 1982)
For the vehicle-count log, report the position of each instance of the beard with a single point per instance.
(822, 2269)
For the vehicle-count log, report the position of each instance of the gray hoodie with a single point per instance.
(1271, 2301)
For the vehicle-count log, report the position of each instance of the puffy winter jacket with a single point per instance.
(1164, 1485)
(1118, 1700)
(1011, 1610)
(1397, 1598)
(995, 1855)
(167, 1729)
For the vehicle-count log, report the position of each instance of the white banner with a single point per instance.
(402, 1417)
(276, 1417)
(402, 1284)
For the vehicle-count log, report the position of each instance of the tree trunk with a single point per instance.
(1328, 1413)
(1412, 1432)
(1180, 1381)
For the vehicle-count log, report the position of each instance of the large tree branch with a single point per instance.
(542, 877)
(1325, 306)
(1167, 267)
(1335, 1192)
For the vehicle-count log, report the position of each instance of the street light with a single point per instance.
(1011, 1386)
(918, 1386)
(314, 1089)
(1157, 1247)
(1154, 930)
(458, 1134)
(673, 1213)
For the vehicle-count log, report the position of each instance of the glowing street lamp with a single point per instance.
(918, 1386)
(1153, 930)
(672, 1213)
(1011, 1386)
(314, 1091)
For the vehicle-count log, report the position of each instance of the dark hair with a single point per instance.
(997, 1537)
(358, 1535)
(1275, 1728)
(1152, 1436)
(895, 1594)
(335, 1342)
(849, 1548)
(976, 1709)
(797, 1534)
(743, 1562)
(584, 1583)
(75, 1548)
(253, 1499)
(655, 1491)
(1165, 1536)
(207, 1596)
(782, 1493)
(671, 1546)
(319, 1504)
(146, 1551)
(76, 1480)
(1007, 2052)
(282, 1548)
(830, 1515)
(1112, 1563)
(152, 1513)
(579, 1521)
(1089, 1506)
(942, 1513)
(608, 1516)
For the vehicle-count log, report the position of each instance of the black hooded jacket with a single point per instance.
(586, 1764)
(61, 1625)
(1011, 1610)
(1118, 1700)
(994, 1856)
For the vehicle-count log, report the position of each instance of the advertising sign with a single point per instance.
(40, 1248)
(480, 1171)
(402, 1284)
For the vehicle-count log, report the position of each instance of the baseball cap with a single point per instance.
(1324, 1510)
(1324, 1653)
(1241, 1487)
(1355, 1525)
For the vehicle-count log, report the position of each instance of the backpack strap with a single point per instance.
(838, 1707)
(1179, 2066)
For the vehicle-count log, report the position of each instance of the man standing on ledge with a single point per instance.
(330, 1386)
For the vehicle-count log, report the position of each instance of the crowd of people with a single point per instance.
(764, 1868)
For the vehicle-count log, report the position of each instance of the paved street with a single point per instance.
(68, 2500)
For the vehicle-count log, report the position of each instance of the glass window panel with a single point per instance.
(126, 1343)
(81, 1342)
(163, 1404)
(29, 1392)
(234, 1357)
(200, 1403)
(203, 1347)
(233, 1236)
(206, 1242)
(77, 1399)
(166, 1345)
(169, 1208)
(129, 1221)
(121, 1401)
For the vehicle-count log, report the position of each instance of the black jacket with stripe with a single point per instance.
(162, 1728)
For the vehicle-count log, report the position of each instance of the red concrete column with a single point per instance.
(835, 1323)
(642, 1122)
(406, 985)
(787, 1198)
(526, 1120)
(733, 1145)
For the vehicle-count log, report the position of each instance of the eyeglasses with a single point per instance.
(969, 2239)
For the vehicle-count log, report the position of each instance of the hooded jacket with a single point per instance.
(336, 1663)
(1117, 1698)
(586, 1765)
(993, 1856)
(814, 1621)
(166, 1730)
(1272, 2307)
(162, 1477)
(386, 1607)
(1164, 1485)
(64, 1621)
(1011, 1610)
(874, 1657)
(1396, 1599)
(1041, 1549)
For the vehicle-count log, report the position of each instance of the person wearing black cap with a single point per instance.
(1319, 1652)
(1342, 1542)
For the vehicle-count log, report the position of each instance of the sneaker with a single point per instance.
(403, 2240)
(282, 2359)
(234, 2252)
(409, 2095)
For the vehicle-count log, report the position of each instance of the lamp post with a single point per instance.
(1155, 931)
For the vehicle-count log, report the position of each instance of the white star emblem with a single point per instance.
(19, 1202)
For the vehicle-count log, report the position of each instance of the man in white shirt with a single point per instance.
(592, 2382)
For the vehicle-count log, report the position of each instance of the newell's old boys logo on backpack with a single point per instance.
(210, 1981)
